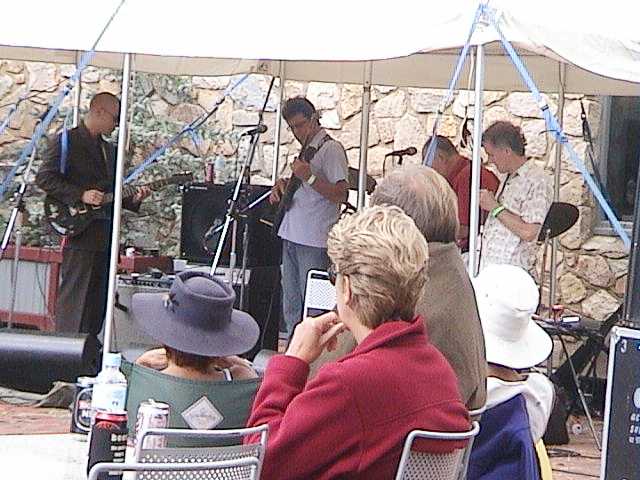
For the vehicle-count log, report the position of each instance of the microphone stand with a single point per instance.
(15, 222)
(232, 210)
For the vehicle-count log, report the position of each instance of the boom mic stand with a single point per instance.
(15, 222)
(232, 210)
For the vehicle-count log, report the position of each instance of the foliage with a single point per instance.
(157, 225)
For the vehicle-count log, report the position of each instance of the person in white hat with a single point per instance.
(519, 402)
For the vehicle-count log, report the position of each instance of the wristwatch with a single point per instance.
(311, 179)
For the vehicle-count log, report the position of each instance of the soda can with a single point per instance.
(209, 172)
(108, 441)
(81, 417)
(152, 414)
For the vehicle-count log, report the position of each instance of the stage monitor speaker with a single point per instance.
(621, 434)
(204, 206)
(31, 361)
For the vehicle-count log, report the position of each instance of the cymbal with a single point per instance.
(353, 180)
(560, 218)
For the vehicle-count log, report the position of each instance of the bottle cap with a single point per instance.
(112, 360)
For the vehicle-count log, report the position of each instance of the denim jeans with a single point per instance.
(297, 260)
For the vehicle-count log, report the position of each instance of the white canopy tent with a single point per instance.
(409, 44)
(593, 47)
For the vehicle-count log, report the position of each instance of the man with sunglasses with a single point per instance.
(457, 170)
(84, 174)
(323, 173)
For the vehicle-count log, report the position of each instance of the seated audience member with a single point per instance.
(351, 420)
(457, 170)
(448, 304)
(518, 402)
(201, 333)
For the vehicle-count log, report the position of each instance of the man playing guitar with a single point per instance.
(85, 174)
(309, 202)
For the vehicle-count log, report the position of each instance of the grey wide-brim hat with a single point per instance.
(196, 316)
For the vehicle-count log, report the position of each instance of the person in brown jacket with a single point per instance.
(448, 304)
(85, 175)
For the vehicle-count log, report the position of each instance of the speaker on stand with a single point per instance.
(204, 208)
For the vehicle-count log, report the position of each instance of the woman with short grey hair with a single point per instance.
(350, 420)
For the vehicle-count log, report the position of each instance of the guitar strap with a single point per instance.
(311, 152)
(64, 150)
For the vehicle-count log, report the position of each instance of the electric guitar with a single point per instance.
(294, 183)
(71, 220)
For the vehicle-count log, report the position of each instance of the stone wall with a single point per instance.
(591, 269)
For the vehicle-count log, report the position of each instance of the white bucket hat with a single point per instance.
(507, 298)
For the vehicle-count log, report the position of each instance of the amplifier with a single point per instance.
(204, 208)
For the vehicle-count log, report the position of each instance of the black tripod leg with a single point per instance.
(576, 382)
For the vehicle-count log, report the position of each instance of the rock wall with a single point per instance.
(591, 269)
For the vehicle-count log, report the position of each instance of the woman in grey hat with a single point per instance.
(199, 329)
(197, 371)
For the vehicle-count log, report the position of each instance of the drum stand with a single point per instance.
(15, 223)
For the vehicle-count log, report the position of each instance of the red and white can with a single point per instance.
(152, 414)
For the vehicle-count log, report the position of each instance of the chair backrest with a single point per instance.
(319, 294)
(223, 470)
(415, 465)
(477, 413)
(236, 451)
(231, 399)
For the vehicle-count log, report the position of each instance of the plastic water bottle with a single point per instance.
(220, 169)
(110, 389)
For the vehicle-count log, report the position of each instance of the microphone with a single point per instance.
(399, 153)
(258, 129)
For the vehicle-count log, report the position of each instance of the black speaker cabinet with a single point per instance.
(204, 207)
(621, 435)
(32, 361)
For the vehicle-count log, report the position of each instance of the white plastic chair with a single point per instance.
(185, 455)
(224, 469)
(416, 465)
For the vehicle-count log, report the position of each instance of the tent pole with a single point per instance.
(77, 94)
(275, 168)
(117, 202)
(553, 283)
(476, 163)
(364, 134)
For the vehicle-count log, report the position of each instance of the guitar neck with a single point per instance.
(129, 191)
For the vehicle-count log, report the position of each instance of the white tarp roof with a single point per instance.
(410, 43)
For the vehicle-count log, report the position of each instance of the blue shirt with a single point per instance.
(504, 449)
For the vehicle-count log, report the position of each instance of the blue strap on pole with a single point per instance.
(431, 150)
(64, 145)
(554, 127)
(190, 128)
(43, 126)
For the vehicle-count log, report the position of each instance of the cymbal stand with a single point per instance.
(576, 380)
(15, 223)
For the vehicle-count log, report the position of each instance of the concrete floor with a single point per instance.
(63, 456)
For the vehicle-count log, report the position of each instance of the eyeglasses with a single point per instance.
(298, 125)
(332, 271)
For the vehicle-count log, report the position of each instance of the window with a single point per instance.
(619, 154)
